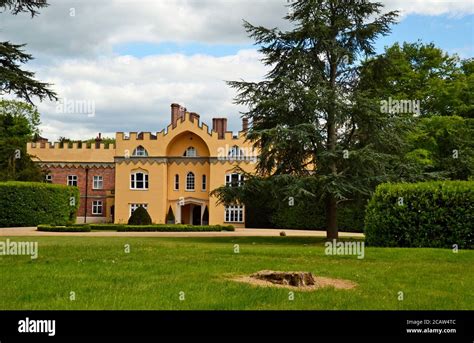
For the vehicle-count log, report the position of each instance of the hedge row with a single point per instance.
(156, 227)
(33, 203)
(70, 228)
(426, 214)
(311, 215)
(174, 228)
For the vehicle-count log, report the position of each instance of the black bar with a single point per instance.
(244, 323)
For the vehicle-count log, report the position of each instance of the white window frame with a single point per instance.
(176, 182)
(190, 180)
(228, 180)
(234, 214)
(96, 205)
(140, 151)
(133, 207)
(71, 179)
(204, 182)
(134, 181)
(49, 178)
(190, 152)
(98, 180)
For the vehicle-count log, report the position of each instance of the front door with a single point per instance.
(196, 215)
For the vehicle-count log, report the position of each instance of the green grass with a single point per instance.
(156, 270)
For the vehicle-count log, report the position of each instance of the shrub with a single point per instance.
(70, 228)
(33, 203)
(427, 214)
(140, 217)
(311, 215)
(170, 219)
(174, 228)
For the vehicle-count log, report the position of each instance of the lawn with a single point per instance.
(156, 270)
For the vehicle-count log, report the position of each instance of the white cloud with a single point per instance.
(134, 94)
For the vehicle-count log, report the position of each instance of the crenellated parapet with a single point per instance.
(71, 152)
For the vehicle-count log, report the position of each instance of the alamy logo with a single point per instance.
(19, 248)
(37, 326)
(400, 106)
(345, 248)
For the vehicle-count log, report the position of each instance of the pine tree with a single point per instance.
(308, 117)
(13, 79)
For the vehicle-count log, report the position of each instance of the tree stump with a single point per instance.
(296, 279)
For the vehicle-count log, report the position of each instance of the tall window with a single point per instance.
(234, 180)
(190, 181)
(97, 207)
(176, 182)
(234, 214)
(133, 207)
(98, 182)
(190, 152)
(140, 152)
(72, 180)
(139, 180)
(204, 182)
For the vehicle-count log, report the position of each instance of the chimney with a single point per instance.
(177, 112)
(245, 124)
(219, 125)
(98, 140)
(193, 116)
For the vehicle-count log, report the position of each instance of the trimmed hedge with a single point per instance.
(140, 217)
(311, 215)
(33, 203)
(173, 228)
(426, 214)
(71, 228)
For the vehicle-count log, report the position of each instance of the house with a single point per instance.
(173, 169)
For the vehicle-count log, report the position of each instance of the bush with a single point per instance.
(71, 228)
(170, 219)
(311, 215)
(140, 217)
(33, 203)
(174, 228)
(427, 214)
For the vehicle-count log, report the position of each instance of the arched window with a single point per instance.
(139, 180)
(140, 152)
(236, 152)
(190, 181)
(190, 152)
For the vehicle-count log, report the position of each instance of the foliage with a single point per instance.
(443, 84)
(140, 217)
(173, 228)
(15, 6)
(31, 203)
(309, 111)
(13, 79)
(443, 145)
(428, 214)
(170, 219)
(72, 228)
(18, 123)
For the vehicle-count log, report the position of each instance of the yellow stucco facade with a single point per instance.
(176, 168)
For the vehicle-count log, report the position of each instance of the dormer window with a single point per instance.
(190, 152)
(140, 152)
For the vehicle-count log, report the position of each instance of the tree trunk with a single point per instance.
(331, 218)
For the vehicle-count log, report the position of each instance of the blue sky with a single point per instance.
(453, 34)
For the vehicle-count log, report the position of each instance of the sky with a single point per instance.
(117, 65)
